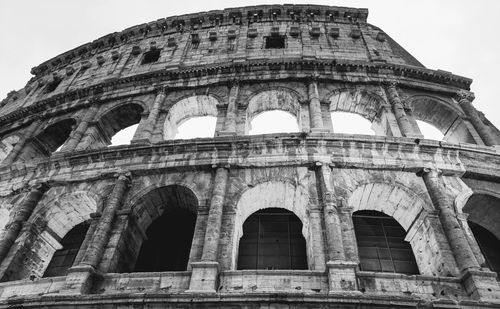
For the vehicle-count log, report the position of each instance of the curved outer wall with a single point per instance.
(217, 63)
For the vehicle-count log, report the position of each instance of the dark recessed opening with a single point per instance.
(52, 85)
(275, 42)
(151, 56)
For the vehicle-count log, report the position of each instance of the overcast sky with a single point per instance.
(458, 36)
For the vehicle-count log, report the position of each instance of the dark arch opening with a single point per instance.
(169, 236)
(272, 239)
(489, 245)
(63, 258)
(119, 119)
(381, 244)
(50, 140)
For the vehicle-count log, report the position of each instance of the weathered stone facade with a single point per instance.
(222, 64)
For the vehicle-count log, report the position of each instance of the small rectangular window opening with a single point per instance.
(151, 56)
(275, 42)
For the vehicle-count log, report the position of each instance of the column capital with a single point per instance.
(463, 96)
(390, 84)
(125, 176)
(160, 90)
(220, 165)
(233, 82)
(93, 101)
(312, 78)
(429, 171)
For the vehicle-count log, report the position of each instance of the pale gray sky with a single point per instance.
(460, 36)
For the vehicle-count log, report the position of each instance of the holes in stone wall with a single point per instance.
(151, 56)
(381, 244)
(350, 123)
(52, 85)
(275, 42)
(272, 239)
(117, 127)
(275, 121)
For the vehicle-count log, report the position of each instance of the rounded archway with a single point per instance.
(275, 121)
(272, 239)
(168, 217)
(194, 107)
(484, 215)
(281, 103)
(120, 123)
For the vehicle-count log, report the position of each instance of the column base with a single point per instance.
(204, 277)
(481, 284)
(226, 133)
(319, 130)
(141, 141)
(79, 280)
(342, 276)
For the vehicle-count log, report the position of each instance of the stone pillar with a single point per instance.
(82, 127)
(315, 106)
(447, 216)
(465, 99)
(80, 277)
(145, 131)
(341, 273)
(21, 214)
(232, 106)
(399, 111)
(16, 150)
(204, 273)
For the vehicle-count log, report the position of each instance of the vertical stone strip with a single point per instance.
(315, 105)
(82, 127)
(212, 234)
(16, 150)
(230, 121)
(149, 125)
(335, 247)
(399, 111)
(465, 99)
(21, 215)
(96, 247)
(452, 229)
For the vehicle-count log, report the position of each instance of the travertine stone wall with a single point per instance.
(217, 64)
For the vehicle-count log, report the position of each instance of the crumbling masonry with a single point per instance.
(298, 220)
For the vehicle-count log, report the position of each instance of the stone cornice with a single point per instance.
(204, 20)
(324, 68)
(343, 151)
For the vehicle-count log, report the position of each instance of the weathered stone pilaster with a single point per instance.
(80, 130)
(230, 121)
(465, 99)
(399, 111)
(21, 214)
(315, 105)
(452, 229)
(204, 273)
(95, 250)
(25, 137)
(145, 130)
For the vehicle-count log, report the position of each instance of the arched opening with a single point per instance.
(275, 121)
(443, 116)
(350, 123)
(197, 127)
(169, 242)
(169, 213)
(381, 244)
(489, 245)
(429, 131)
(50, 140)
(195, 115)
(484, 215)
(63, 258)
(124, 136)
(119, 124)
(272, 239)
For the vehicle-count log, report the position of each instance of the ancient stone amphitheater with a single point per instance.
(307, 219)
